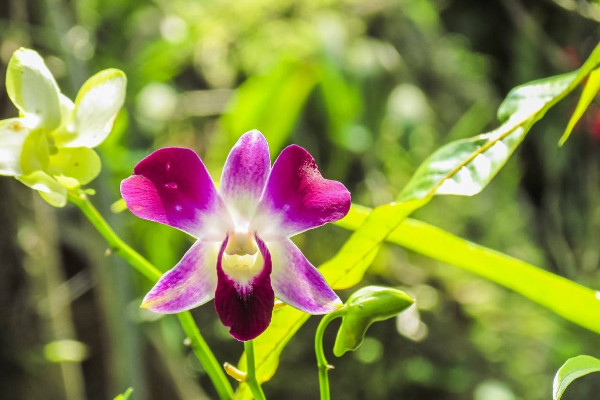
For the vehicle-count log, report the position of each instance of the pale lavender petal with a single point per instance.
(191, 283)
(173, 187)
(245, 307)
(297, 197)
(245, 174)
(297, 282)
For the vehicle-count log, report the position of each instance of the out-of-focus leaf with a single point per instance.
(574, 302)
(32, 89)
(124, 396)
(572, 369)
(270, 103)
(343, 104)
(364, 307)
(589, 92)
(65, 350)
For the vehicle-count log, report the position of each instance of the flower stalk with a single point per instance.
(251, 380)
(117, 245)
(322, 364)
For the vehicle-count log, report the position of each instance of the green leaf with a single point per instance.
(574, 302)
(12, 139)
(96, 106)
(124, 396)
(349, 265)
(535, 94)
(33, 90)
(73, 167)
(546, 92)
(465, 167)
(587, 95)
(50, 190)
(574, 368)
(364, 307)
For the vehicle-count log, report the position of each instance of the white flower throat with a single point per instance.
(242, 259)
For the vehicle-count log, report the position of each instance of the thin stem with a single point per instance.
(199, 346)
(319, 353)
(251, 380)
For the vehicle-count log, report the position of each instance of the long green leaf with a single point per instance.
(572, 369)
(566, 298)
(587, 95)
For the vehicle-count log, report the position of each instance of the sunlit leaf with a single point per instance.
(32, 89)
(534, 95)
(363, 308)
(96, 107)
(574, 368)
(466, 166)
(589, 92)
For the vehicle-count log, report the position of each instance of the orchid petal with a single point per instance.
(297, 282)
(298, 198)
(12, 139)
(189, 284)
(74, 167)
(173, 187)
(33, 90)
(50, 190)
(245, 307)
(245, 174)
(95, 109)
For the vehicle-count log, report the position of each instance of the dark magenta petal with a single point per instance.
(297, 282)
(189, 284)
(172, 186)
(245, 307)
(245, 174)
(298, 198)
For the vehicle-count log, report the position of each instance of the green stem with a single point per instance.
(320, 354)
(251, 380)
(199, 346)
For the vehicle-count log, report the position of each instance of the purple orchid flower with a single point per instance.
(243, 256)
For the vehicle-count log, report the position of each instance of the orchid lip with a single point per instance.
(241, 259)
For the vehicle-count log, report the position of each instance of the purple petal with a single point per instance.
(172, 186)
(297, 282)
(245, 307)
(298, 198)
(245, 174)
(191, 283)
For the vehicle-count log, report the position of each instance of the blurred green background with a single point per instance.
(370, 88)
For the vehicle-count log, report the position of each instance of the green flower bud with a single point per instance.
(365, 306)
